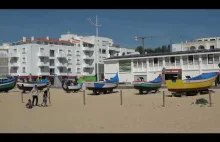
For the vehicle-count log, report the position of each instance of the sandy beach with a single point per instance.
(104, 114)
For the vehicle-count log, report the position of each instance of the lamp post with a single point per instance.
(96, 47)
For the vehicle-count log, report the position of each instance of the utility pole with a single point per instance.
(96, 45)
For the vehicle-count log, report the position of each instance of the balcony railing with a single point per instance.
(88, 57)
(43, 54)
(14, 55)
(61, 64)
(87, 48)
(14, 64)
(88, 66)
(61, 55)
(43, 64)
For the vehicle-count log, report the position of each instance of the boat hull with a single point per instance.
(180, 86)
(5, 87)
(71, 88)
(147, 86)
(100, 85)
(29, 87)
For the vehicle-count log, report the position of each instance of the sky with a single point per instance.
(120, 25)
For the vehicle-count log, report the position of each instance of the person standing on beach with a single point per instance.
(34, 93)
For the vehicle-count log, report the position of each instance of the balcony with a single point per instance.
(87, 48)
(14, 64)
(69, 54)
(88, 66)
(61, 55)
(61, 64)
(88, 57)
(43, 64)
(14, 55)
(43, 54)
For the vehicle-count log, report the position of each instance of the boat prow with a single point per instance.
(8, 84)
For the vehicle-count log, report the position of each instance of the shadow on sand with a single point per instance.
(92, 94)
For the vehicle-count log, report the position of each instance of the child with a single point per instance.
(29, 104)
(44, 98)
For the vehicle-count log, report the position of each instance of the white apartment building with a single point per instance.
(4, 59)
(104, 46)
(198, 44)
(71, 55)
(149, 66)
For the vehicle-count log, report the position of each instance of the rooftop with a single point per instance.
(163, 53)
(49, 41)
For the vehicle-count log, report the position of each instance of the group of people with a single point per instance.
(35, 93)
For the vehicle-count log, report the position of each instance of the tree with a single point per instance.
(140, 49)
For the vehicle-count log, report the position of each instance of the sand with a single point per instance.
(104, 114)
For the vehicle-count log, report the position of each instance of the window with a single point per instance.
(41, 50)
(52, 53)
(196, 60)
(155, 61)
(212, 47)
(204, 59)
(210, 58)
(144, 64)
(216, 58)
(69, 70)
(151, 62)
(172, 60)
(135, 63)
(23, 61)
(177, 60)
(160, 62)
(139, 64)
(167, 61)
(190, 59)
(78, 70)
(23, 70)
(23, 50)
(212, 39)
(61, 70)
(184, 60)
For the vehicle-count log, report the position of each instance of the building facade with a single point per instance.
(149, 66)
(103, 48)
(198, 44)
(71, 55)
(4, 59)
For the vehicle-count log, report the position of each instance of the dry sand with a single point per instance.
(104, 114)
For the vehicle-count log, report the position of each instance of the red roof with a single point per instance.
(28, 40)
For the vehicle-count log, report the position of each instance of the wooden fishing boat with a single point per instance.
(103, 86)
(29, 86)
(144, 86)
(8, 84)
(71, 88)
(195, 84)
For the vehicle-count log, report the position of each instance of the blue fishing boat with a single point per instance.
(103, 86)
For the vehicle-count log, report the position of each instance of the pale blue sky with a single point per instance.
(120, 25)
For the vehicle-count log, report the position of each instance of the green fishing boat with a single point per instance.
(148, 86)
